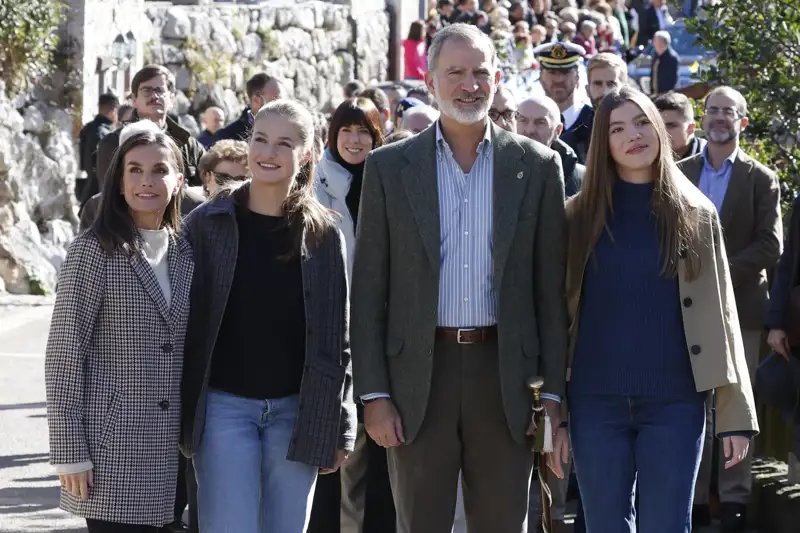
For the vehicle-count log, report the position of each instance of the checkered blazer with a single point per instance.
(326, 418)
(113, 371)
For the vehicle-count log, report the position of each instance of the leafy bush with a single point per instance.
(758, 47)
(28, 37)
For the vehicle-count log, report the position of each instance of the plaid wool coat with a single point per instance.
(113, 372)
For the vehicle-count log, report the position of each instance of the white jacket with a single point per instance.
(332, 183)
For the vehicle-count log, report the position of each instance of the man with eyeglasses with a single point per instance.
(504, 110)
(153, 89)
(747, 197)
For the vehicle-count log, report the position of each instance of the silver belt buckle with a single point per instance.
(458, 335)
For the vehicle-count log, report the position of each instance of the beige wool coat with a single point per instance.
(710, 321)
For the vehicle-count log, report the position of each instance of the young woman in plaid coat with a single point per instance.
(267, 388)
(115, 351)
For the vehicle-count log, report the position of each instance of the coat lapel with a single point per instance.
(420, 182)
(737, 184)
(181, 268)
(510, 183)
(692, 169)
(148, 280)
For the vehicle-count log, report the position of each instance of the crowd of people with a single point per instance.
(298, 322)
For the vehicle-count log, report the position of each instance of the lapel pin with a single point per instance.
(519, 176)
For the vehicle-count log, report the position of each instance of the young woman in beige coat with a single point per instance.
(653, 328)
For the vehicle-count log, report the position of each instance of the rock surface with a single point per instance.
(213, 49)
(37, 180)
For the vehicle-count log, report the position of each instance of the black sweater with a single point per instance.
(260, 349)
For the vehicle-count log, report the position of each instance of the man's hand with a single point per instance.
(778, 340)
(341, 457)
(383, 423)
(735, 448)
(78, 484)
(560, 453)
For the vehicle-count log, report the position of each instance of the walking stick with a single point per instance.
(543, 444)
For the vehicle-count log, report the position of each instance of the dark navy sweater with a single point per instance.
(630, 338)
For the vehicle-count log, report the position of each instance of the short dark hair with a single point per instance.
(673, 101)
(441, 3)
(420, 92)
(398, 135)
(107, 102)
(114, 226)
(378, 98)
(148, 73)
(353, 88)
(360, 111)
(257, 83)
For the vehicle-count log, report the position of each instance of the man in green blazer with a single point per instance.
(458, 298)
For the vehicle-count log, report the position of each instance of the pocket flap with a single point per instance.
(394, 346)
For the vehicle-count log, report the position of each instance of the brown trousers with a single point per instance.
(464, 429)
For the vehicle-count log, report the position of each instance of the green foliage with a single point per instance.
(207, 66)
(758, 46)
(28, 38)
(270, 43)
(35, 285)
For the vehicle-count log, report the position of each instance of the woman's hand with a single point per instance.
(341, 457)
(778, 340)
(735, 448)
(78, 484)
(560, 453)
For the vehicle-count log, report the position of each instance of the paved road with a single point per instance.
(28, 489)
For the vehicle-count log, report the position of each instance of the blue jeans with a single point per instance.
(620, 442)
(245, 484)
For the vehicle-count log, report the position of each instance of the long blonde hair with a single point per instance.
(676, 219)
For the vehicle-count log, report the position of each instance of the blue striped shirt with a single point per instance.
(467, 295)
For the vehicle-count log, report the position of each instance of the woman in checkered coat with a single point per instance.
(115, 351)
(267, 388)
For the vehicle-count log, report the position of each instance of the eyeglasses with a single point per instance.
(508, 115)
(729, 112)
(147, 92)
(223, 177)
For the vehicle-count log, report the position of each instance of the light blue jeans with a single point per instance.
(245, 484)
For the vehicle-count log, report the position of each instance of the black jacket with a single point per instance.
(580, 133)
(238, 130)
(89, 138)
(665, 72)
(573, 170)
(786, 275)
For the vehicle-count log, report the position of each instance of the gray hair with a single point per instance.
(664, 35)
(547, 103)
(460, 32)
(426, 110)
(736, 96)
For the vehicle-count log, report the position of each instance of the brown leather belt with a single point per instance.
(467, 335)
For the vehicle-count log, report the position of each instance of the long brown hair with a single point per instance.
(675, 218)
(115, 227)
(308, 220)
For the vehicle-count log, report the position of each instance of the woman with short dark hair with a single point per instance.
(115, 351)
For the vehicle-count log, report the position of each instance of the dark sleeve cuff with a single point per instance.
(748, 434)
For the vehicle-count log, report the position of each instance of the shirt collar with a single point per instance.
(730, 159)
(441, 142)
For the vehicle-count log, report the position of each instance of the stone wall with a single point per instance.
(315, 47)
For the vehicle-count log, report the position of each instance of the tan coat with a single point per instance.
(710, 321)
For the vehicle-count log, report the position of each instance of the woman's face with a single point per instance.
(149, 181)
(276, 151)
(354, 143)
(632, 138)
(225, 171)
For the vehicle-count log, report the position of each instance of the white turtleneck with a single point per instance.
(155, 247)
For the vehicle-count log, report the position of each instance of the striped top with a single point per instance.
(467, 295)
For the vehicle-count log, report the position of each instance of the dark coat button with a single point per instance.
(696, 350)
(166, 348)
(687, 302)
(164, 405)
